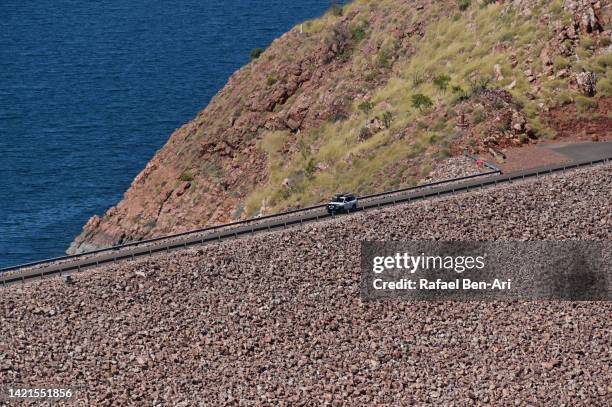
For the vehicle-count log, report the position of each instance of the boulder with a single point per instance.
(375, 125)
(498, 73)
(584, 82)
(589, 21)
(518, 122)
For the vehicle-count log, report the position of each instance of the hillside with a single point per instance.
(243, 322)
(370, 96)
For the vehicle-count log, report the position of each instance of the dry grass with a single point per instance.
(463, 47)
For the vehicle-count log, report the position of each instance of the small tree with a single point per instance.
(366, 107)
(311, 167)
(387, 118)
(256, 53)
(384, 58)
(421, 101)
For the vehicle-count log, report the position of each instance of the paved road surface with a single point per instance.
(582, 151)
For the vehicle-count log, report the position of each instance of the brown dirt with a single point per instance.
(522, 158)
(570, 125)
(573, 125)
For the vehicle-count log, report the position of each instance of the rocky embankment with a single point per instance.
(277, 319)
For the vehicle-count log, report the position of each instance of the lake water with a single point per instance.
(90, 90)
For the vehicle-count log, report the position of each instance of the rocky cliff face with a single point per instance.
(367, 97)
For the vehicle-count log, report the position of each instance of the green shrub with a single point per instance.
(439, 125)
(364, 133)
(584, 53)
(498, 104)
(556, 7)
(464, 4)
(587, 42)
(387, 118)
(256, 53)
(584, 103)
(459, 94)
(422, 125)
(555, 84)
(444, 153)
(561, 63)
(425, 169)
(479, 116)
(358, 33)
(421, 101)
(604, 87)
(564, 98)
(604, 61)
(540, 130)
(339, 117)
(366, 107)
(186, 176)
(345, 55)
(304, 148)
(310, 170)
(480, 84)
(441, 82)
(503, 126)
(272, 79)
(371, 75)
(384, 58)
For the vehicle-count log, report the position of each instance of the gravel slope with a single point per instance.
(277, 320)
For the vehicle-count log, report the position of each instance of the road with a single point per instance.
(600, 153)
(582, 151)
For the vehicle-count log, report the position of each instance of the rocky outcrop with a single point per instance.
(590, 15)
(584, 82)
(300, 82)
(309, 80)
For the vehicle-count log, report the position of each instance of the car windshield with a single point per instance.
(339, 200)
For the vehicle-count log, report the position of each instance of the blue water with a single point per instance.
(89, 90)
